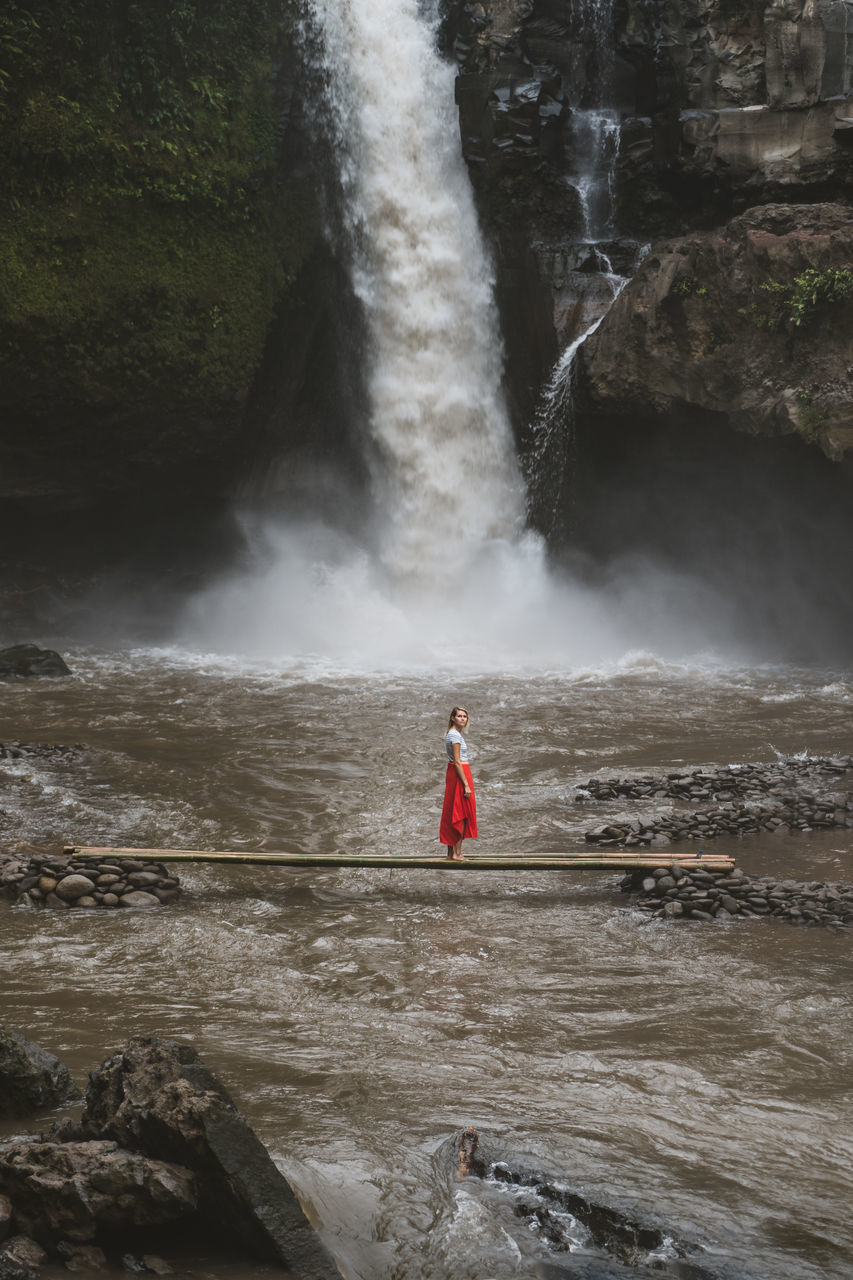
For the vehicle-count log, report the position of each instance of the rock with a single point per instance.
(24, 660)
(31, 1078)
(74, 1190)
(138, 898)
(5, 1217)
(157, 1266)
(72, 887)
(82, 1257)
(20, 1259)
(156, 1096)
(662, 345)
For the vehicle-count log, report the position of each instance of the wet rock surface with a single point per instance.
(24, 660)
(160, 1147)
(673, 892)
(76, 1190)
(698, 328)
(602, 1239)
(735, 800)
(31, 1078)
(157, 1097)
(13, 750)
(63, 882)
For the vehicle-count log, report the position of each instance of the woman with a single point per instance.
(459, 814)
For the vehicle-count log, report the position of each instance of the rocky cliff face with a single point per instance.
(716, 105)
(751, 322)
(168, 301)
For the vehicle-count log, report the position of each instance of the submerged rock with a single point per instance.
(602, 1239)
(24, 660)
(31, 1078)
(156, 1096)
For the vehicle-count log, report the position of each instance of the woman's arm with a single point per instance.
(457, 764)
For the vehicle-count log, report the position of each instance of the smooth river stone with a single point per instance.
(73, 887)
(138, 898)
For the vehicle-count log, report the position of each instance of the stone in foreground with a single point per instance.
(31, 1079)
(155, 1096)
(75, 1190)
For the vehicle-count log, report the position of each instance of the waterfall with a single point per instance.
(444, 457)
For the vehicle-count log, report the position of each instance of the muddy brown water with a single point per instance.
(697, 1076)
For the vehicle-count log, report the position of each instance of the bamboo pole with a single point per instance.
(583, 860)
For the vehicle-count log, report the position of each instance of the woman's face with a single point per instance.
(460, 718)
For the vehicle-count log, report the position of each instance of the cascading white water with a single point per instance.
(456, 582)
(447, 466)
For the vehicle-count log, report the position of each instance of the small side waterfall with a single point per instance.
(438, 418)
(596, 128)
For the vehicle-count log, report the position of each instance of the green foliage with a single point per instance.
(143, 238)
(689, 286)
(806, 299)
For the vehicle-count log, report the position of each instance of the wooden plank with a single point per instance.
(586, 861)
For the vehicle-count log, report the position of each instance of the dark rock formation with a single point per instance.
(79, 1190)
(673, 893)
(752, 322)
(594, 1233)
(31, 1078)
(157, 1097)
(20, 1259)
(713, 107)
(171, 316)
(60, 881)
(24, 660)
(797, 794)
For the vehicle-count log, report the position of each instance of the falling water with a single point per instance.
(437, 413)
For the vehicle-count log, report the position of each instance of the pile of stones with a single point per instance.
(63, 882)
(793, 794)
(43, 750)
(676, 893)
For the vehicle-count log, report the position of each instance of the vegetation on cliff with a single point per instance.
(144, 235)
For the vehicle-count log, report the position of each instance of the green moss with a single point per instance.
(144, 240)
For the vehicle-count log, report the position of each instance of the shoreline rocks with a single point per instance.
(63, 882)
(568, 1221)
(793, 794)
(160, 1146)
(673, 892)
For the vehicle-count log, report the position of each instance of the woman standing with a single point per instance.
(459, 814)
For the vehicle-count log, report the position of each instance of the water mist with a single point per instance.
(445, 573)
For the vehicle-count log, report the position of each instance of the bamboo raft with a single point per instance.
(581, 861)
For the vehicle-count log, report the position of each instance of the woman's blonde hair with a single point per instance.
(453, 713)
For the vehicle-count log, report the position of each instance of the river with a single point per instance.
(697, 1076)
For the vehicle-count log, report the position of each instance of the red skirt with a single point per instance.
(458, 816)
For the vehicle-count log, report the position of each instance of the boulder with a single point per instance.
(707, 324)
(20, 1259)
(156, 1096)
(31, 1079)
(24, 660)
(73, 1190)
